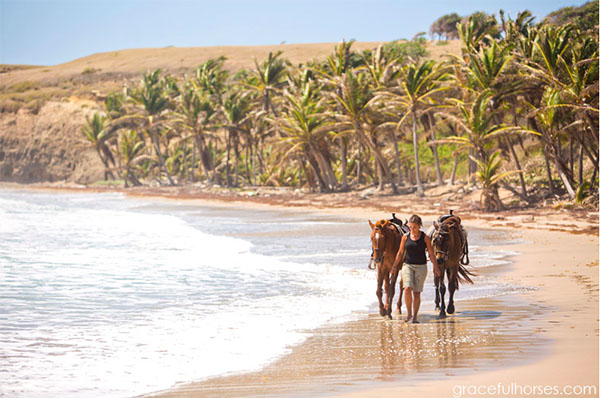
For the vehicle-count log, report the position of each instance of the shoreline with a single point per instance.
(367, 203)
(558, 258)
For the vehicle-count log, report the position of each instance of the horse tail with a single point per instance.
(464, 276)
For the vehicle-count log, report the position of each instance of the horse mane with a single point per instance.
(381, 224)
(452, 222)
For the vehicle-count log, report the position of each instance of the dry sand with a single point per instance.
(546, 335)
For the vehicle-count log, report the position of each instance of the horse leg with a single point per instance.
(436, 282)
(400, 296)
(379, 291)
(452, 284)
(442, 314)
(389, 296)
(393, 278)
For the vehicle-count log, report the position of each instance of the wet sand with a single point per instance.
(373, 352)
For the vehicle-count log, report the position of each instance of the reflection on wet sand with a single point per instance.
(373, 350)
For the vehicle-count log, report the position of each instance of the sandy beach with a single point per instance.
(545, 336)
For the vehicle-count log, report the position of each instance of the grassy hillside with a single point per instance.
(96, 75)
(180, 59)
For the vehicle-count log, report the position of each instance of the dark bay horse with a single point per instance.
(449, 242)
(385, 239)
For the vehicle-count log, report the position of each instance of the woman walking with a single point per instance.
(413, 265)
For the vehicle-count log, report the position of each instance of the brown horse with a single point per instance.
(385, 239)
(449, 243)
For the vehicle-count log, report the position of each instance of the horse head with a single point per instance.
(378, 239)
(440, 242)
(442, 239)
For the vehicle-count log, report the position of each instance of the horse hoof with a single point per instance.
(388, 316)
(442, 315)
(450, 309)
(437, 307)
(382, 312)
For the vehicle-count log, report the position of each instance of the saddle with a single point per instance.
(400, 226)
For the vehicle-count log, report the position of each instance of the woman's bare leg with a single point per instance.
(408, 299)
(416, 303)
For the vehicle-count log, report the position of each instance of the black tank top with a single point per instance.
(415, 250)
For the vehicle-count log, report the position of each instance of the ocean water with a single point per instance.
(107, 296)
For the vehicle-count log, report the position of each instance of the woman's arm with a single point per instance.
(436, 270)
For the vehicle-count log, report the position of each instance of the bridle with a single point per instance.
(442, 235)
(378, 259)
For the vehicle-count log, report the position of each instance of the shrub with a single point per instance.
(23, 86)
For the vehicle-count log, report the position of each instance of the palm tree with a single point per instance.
(212, 78)
(418, 84)
(489, 177)
(268, 78)
(98, 134)
(568, 67)
(478, 30)
(478, 123)
(355, 100)
(548, 120)
(342, 60)
(305, 125)
(152, 102)
(236, 111)
(487, 70)
(131, 147)
(194, 114)
(384, 67)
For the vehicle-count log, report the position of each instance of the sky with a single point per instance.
(51, 32)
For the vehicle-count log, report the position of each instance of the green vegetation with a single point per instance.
(87, 71)
(518, 110)
(585, 17)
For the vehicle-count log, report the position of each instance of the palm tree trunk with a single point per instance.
(191, 173)
(380, 174)
(212, 151)
(548, 170)
(227, 174)
(397, 157)
(518, 164)
(571, 158)
(420, 190)
(564, 178)
(315, 167)
(454, 166)
(344, 150)
(358, 155)
(580, 159)
(324, 169)
(472, 168)
(204, 155)
(160, 157)
(438, 170)
(378, 156)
